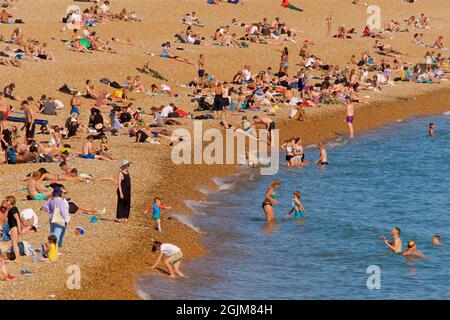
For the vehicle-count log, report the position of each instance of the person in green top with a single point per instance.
(269, 200)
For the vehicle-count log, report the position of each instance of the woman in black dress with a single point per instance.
(124, 193)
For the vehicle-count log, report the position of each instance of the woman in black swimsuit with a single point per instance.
(124, 193)
(13, 222)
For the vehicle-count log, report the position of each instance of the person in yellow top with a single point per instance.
(50, 249)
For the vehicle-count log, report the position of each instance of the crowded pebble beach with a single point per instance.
(93, 94)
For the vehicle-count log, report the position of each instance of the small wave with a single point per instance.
(337, 143)
(186, 220)
(197, 206)
(223, 184)
(204, 190)
(142, 294)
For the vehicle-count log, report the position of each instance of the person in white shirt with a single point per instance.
(310, 62)
(167, 110)
(105, 7)
(174, 257)
(247, 74)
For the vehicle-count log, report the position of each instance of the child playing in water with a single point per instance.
(156, 209)
(297, 206)
(174, 257)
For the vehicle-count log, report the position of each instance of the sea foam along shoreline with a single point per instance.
(182, 182)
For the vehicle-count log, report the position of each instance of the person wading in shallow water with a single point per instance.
(123, 193)
(269, 201)
(396, 244)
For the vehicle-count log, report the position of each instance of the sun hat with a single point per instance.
(125, 163)
(57, 191)
(28, 214)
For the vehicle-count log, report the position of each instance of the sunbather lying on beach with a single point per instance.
(36, 190)
(166, 54)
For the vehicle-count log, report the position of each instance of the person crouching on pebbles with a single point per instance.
(174, 257)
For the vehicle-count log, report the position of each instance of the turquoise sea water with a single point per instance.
(392, 176)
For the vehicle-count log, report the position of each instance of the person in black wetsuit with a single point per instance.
(123, 193)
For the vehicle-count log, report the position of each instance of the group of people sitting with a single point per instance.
(18, 49)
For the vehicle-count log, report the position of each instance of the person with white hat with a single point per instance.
(123, 193)
(29, 220)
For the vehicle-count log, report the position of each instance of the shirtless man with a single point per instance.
(88, 150)
(29, 124)
(349, 116)
(431, 129)
(268, 123)
(436, 240)
(36, 190)
(201, 66)
(396, 244)
(412, 251)
(323, 160)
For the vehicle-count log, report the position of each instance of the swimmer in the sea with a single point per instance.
(323, 160)
(412, 251)
(350, 116)
(297, 206)
(269, 200)
(431, 129)
(436, 240)
(396, 244)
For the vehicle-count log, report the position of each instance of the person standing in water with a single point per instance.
(123, 193)
(297, 206)
(396, 244)
(269, 200)
(299, 155)
(323, 160)
(288, 146)
(431, 129)
(174, 257)
(350, 116)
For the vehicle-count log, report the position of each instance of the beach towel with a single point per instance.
(85, 42)
(37, 121)
(286, 4)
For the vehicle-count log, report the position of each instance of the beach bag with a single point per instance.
(57, 218)
(65, 89)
